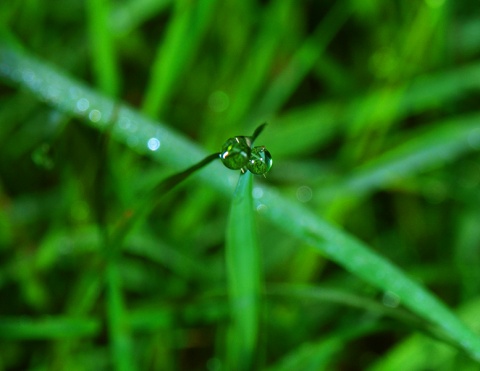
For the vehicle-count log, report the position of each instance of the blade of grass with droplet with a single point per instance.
(64, 93)
(243, 275)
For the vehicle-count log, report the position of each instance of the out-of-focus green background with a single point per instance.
(373, 123)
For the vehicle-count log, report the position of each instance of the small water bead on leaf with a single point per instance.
(260, 161)
(236, 152)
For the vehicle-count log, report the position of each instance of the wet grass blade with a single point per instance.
(64, 93)
(243, 274)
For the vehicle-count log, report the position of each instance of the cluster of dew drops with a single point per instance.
(238, 154)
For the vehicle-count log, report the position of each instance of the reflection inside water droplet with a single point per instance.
(153, 144)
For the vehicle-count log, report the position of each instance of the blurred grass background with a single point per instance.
(373, 124)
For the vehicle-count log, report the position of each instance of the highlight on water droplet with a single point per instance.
(83, 104)
(95, 115)
(153, 144)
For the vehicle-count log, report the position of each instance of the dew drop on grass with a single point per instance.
(95, 115)
(236, 152)
(83, 104)
(304, 193)
(153, 144)
(260, 161)
(262, 208)
(390, 299)
(257, 192)
(218, 101)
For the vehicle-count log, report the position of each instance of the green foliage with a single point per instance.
(359, 249)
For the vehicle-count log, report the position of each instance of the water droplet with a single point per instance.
(262, 208)
(218, 101)
(260, 161)
(153, 144)
(236, 152)
(304, 194)
(83, 104)
(390, 299)
(124, 122)
(95, 115)
(257, 192)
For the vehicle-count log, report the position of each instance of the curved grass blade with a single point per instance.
(258, 131)
(64, 93)
(243, 274)
(151, 200)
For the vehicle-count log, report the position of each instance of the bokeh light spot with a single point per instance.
(218, 101)
(304, 194)
(153, 144)
(83, 104)
(95, 115)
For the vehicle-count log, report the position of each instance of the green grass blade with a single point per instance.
(102, 55)
(117, 319)
(261, 60)
(304, 59)
(65, 93)
(442, 143)
(357, 258)
(174, 53)
(48, 328)
(243, 273)
(128, 15)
